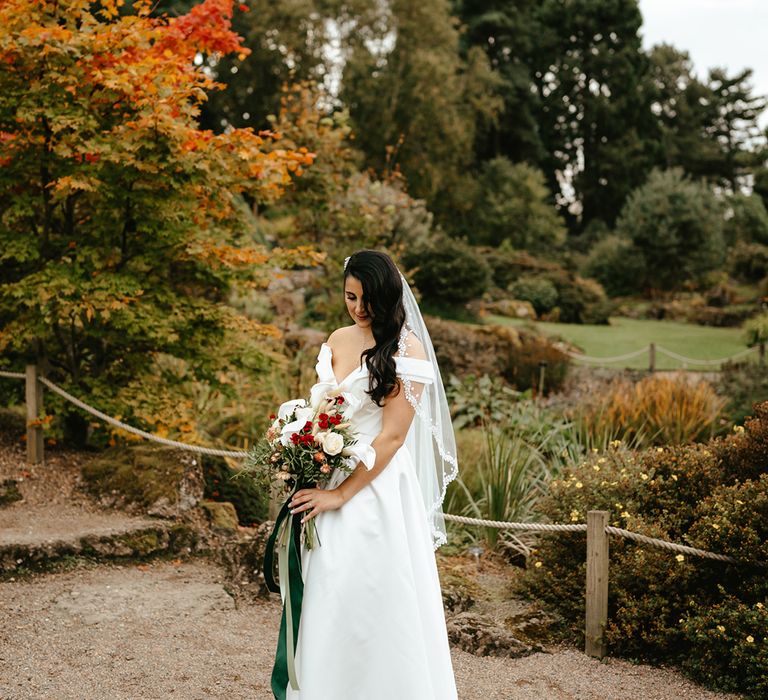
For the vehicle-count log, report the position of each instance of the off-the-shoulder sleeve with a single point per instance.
(415, 369)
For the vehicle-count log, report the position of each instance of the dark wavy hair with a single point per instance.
(383, 302)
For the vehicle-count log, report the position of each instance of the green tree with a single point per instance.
(416, 103)
(677, 225)
(286, 41)
(589, 74)
(514, 204)
(736, 128)
(709, 128)
(507, 32)
(748, 220)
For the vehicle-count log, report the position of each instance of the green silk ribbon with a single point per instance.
(286, 533)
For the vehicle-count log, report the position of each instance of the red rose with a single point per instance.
(307, 426)
(295, 438)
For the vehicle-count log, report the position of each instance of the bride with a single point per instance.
(372, 623)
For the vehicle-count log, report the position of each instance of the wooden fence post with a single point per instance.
(34, 400)
(597, 583)
(652, 357)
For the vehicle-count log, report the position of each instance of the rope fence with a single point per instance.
(582, 527)
(652, 349)
(597, 527)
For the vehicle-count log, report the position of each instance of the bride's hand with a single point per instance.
(316, 501)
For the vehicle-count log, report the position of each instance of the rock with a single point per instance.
(512, 308)
(9, 492)
(242, 555)
(481, 636)
(304, 338)
(222, 514)
(459, 593)
(163, 482)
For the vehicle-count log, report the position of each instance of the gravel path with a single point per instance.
(170, 630)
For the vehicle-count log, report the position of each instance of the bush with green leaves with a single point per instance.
(756, 329)
(508, 264)
(539, 291)
(742, 385)
(665, 606)
(477, 399)
(447, 270)
(579, 300)
(514, 205)
(617, 264)
(677, 226)
(748, 262)
(748, 220)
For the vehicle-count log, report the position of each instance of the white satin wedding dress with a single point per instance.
(372, 622)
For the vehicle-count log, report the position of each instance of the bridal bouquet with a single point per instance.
(303, 446)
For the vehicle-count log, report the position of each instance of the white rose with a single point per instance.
(332, 443)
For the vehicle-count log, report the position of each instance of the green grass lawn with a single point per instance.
(625, 335)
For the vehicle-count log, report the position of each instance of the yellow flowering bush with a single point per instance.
(731, 643)
(663, 605)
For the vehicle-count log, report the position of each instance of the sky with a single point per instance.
(728, 33)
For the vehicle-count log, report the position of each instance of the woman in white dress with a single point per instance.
(372, 623)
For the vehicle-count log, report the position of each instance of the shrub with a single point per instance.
(730, 641)
(514, 205)
(662, 606)
(656, 410)
(507, 264)
(474, 400)
(514, 354)
(617, 265)
(539, 291)
(508, 479)
(579, 300)
(748, 221)
(249, 497)
(748, 261)
(448, 271)
(742, 385)
(677, 226)
(757, 329)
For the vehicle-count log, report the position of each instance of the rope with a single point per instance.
(694, 361)
(668, 545)
(529, 527)
(616, 358)
(137, 431)
(546, 527)
(669, 353)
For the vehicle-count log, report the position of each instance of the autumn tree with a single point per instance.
(122, 223)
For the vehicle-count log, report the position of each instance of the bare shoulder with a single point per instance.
(414, 347)
(339, 337)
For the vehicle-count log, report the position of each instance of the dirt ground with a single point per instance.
(170, 629)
